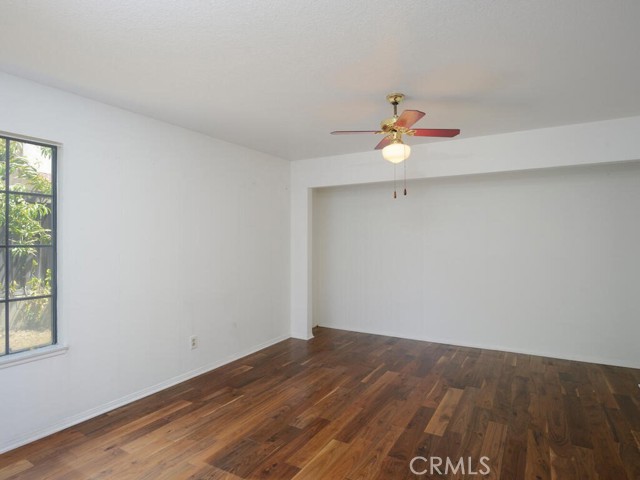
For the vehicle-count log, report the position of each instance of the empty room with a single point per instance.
(319, 240)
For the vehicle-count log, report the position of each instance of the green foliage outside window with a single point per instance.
(29, 224)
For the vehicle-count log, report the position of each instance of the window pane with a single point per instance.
(3, 273)
(3, 201)
(3, 149)
(2, 327)
(30, 167)
(30, 271)
(30, 220)
(30, 324)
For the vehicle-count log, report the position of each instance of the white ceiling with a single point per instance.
(279, 75)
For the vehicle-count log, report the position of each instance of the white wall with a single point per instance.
(542, 261)
(163, 233)
(605, 142)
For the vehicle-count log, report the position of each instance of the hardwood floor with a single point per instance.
(355, 406)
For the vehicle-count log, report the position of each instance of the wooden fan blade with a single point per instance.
(408, 118)
(383, 143)
(350, 132)
(436, 132)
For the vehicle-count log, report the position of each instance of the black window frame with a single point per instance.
(5, 190)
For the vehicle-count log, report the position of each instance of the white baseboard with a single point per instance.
(145, 392)
(301, 335)
(533, 351)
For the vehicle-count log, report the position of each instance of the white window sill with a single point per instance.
(32, 355)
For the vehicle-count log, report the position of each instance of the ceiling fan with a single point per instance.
(393, 149)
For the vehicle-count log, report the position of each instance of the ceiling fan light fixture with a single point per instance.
(396, 152)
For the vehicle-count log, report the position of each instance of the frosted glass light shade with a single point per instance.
(396, 152)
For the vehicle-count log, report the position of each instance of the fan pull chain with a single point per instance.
(394, 181)
(405, 177)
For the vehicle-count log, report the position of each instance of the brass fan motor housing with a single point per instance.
(388, 125)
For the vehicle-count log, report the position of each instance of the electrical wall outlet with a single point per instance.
(193, 341)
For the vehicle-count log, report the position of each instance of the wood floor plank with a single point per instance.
(628, 449)
(369, 464)
(629, 409)
(562, 468)
(463, 413)
(209, 472)
(392, 468)
(304, 454)
(245, 456)
(407, 443)
(636, 436)
(278, 465)
(538, 457)
(322, 464)
(37, 452)
(354, 406)
(493, 448)
(442, 416)
(578, 427)
(472, 440)
(14, 469)
(584, 462)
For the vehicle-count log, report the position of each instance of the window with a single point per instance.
(27, 245)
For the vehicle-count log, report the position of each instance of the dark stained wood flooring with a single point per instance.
(355, 406)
